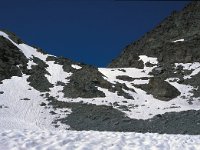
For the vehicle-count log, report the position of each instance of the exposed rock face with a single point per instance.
(37, 77)
(160, 89)
(12, 60)
(83, 83)
(159, 42)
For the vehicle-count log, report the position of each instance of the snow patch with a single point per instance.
(57, 73)
(179, 40)
(146, 59)
(76, 66)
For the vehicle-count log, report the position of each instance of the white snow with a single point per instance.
(56, 73)
(76, 66)
(146, 59)
(179, 40)
(23, 114)
(92, 140)
(140, 81)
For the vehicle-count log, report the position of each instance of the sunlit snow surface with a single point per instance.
(92, 140)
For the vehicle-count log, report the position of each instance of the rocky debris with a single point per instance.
(3, 106)
(195, 82)
(1, 92)
(12, 60)
(66, 63)
(43, 104)
(59, 83)
(118, 87)
(52, 112)
(26, 99)
(122, 70)
(84, 82)
(37, 77)
(106, 118)
(148, 64)
(157, 71)
(160, 89)
(125, 78)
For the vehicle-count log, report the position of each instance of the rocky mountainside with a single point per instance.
(155, 87)
(164, 41)
(175, 42)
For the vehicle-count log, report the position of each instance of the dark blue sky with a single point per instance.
(89, 31)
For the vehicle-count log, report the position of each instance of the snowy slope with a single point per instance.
(26, 119)
(147, 105)
(73, 140)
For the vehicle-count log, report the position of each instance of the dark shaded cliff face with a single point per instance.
(159, 42)
(12, 60)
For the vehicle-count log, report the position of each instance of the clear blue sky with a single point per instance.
(89, 31)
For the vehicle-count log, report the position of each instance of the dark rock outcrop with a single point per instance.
(84, 83)
(106, 118)
(160, 89)
(12, 60)
(158, 42)
(37, 77)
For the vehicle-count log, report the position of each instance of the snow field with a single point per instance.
(92, 140)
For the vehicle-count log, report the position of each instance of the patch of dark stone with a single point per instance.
(3, 106)
(43, 104)
(12, 60)
(25, 99)
(148, 64)
(106, 118)
(52, 112)
(160, 89)
(37, 77)
(125, 78)
(118, 87)
(133, 106)
(59, 83)
(157, 71)
(122, 70)
(1, 92)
